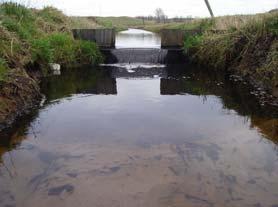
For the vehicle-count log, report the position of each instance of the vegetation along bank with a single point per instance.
(31, 40)
(247, 47)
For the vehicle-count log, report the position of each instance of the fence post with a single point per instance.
(209, 8)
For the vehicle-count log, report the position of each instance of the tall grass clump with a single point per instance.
(88, 52)
(19, 19)
(63, 49)
(192, 41)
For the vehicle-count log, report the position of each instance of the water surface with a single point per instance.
(142, 135)
(136, 38)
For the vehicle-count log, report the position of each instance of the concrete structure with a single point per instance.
(105, 38)
(171, 46)
(174, 38)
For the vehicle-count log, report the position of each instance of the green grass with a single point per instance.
(88, 52)
(41, 36)
(250, 49)
(203, 24)
(121, 23)
(84, 23)
(192, 41)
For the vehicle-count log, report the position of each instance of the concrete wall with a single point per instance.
(105, 38)
(173, 38)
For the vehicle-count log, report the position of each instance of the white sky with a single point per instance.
(146, 7)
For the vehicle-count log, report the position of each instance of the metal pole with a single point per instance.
(209, 8)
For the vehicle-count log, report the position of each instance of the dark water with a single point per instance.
(128, 136)
(133, 135)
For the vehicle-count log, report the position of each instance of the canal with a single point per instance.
(134, 134)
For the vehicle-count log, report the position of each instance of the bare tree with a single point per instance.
(160, 15)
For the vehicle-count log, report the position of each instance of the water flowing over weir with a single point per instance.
(136, 55)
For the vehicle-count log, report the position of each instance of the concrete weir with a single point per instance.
(171, 44)
(134, 55)
(105, 38)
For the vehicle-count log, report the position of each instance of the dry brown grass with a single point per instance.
(84, 23)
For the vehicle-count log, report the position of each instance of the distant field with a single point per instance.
(123, 23)
(120, 23)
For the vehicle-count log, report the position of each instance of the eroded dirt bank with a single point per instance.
(18, 95)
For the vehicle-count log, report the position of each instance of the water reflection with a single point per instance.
(79, 81)
(135, 38)
(135, 135)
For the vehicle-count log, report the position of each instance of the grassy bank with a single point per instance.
(30, 40)
(119, 23)
(248, 48)
(40, 36)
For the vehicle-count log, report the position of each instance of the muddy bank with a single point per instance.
(18, 95)
(254, 62)
(34, 38)
(257, 64)
(249, 51)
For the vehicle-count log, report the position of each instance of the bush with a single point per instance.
(192, 41)
(271, 24)
(62, 46)
(42, 51)
(207, 24)
(63, 49)
(214, 50)
(88, 52)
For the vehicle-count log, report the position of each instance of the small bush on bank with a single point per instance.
(41, 51)
(191, 42)
(62, 46)
(63, 49)
(88, 52)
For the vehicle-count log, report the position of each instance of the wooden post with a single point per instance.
(209, 8)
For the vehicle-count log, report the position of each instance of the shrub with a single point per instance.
(207, 24)
(192, 41)
(88, 52)
(62, 46)
(271, 24)
(42, 51)
(63, 49)
(214, 50)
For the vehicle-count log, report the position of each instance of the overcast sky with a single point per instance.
(146, 7)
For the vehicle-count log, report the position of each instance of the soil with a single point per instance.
(19, 94)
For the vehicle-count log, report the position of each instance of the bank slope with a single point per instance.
(249, 51)
(30, 40)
